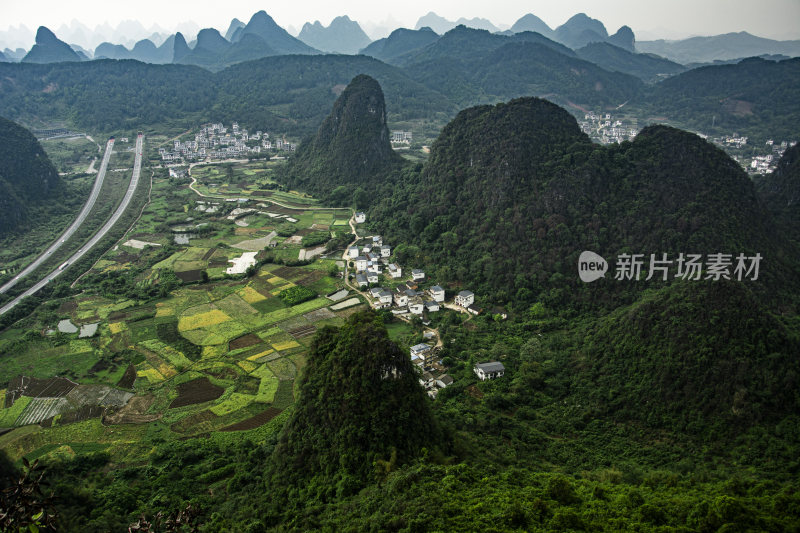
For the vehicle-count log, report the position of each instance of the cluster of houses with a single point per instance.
(216, 142)
(764, 164)
(605, 129)
(734, 140)
(432, 377)
(761, 164)
(373, 260)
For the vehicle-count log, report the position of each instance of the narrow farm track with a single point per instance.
(213, 197)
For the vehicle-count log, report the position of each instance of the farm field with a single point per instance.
(182, 348)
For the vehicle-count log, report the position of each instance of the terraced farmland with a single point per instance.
(212, 353)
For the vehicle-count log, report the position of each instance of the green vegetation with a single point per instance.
(316, 238)
(297, 295)
(351, 148)
(260, 94)
(516, 68)
(648, 68)
(27, 177)
(750, 96)
(545, 194)
(360, 411)
(780, 191)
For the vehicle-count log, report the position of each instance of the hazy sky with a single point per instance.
(767, 18)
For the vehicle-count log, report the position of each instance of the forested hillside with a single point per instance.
(361, 414)
(780, 191)
(351, 148)
(27, 177)
(545, 193)
(658, 397)
(649, 68)
(755, 95)
(290, 94)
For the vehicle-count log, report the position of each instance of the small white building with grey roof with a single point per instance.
(421, 350)
(431, 306)
(465, 298)
(394, 270)
(416, 306)
(490, 370)
(444, 380)
(438, 293)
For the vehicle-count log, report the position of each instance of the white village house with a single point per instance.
(465, 298)
(444, 380)
(400, 299)
(437, 293)
(489, 370)
(416, 306)
(394, 270)
(421, 350)
(360, 217)
(418, 274)
(385, 297)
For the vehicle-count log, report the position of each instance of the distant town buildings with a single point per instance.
(401, 137)
(215, 142)
(605, 129)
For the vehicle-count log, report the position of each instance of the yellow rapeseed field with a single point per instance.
(251, 296)
(164, 311)
(247, 366)
(151, 374)
(260, 355)
(115, 327)
(213, 351)
(166, 370)
(202, 320)
(285, 345)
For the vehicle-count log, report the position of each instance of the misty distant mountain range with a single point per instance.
(261, 36)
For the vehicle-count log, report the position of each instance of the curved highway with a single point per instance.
(98, 184)
(137, 168)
